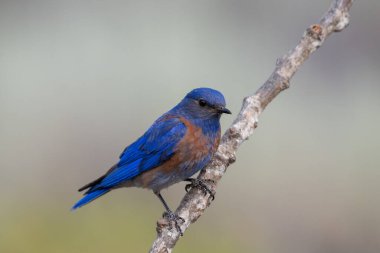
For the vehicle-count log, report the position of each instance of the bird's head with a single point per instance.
(204, 103)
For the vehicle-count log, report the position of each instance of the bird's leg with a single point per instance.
(201, 185)
(169, 215)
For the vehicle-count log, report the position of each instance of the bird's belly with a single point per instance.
(173, 171)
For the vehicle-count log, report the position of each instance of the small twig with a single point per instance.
(195, 203)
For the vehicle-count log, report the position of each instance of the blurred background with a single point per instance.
(80, 80)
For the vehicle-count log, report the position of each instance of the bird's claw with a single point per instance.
(174, 218)
(201, 185)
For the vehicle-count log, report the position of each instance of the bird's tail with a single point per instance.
(90, 197)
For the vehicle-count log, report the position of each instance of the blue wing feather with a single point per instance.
(156, 146)
(152, 149)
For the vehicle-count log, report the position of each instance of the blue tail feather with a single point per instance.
(89, 197)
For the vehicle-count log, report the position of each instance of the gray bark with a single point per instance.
(194, 204)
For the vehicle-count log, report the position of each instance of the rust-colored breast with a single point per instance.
(193, 147)
(194, 144)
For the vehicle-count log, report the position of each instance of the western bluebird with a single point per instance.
(179, 144)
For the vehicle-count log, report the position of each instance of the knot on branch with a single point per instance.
(315, 31)
(231, 159)
(166, 226)
(225, 158)
(285, 84)
(161, 224)
(234, 133)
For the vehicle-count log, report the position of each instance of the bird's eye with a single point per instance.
(202, 103)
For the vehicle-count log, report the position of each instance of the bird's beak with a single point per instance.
(224, 110)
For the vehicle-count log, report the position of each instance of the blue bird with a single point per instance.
(179, 144)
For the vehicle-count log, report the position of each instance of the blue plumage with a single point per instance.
(89, 197)
(178, 144)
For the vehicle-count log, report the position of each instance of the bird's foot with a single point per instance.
(174, 219)
(201, 185)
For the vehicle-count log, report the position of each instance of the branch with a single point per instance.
(195, 203)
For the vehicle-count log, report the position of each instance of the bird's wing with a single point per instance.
(152, 149)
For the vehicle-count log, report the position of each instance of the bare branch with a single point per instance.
(195, 203)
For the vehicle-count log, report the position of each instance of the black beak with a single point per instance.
(224, 110)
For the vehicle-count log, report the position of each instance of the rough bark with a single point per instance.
(194, 204)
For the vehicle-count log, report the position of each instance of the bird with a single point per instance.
(178, 144)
